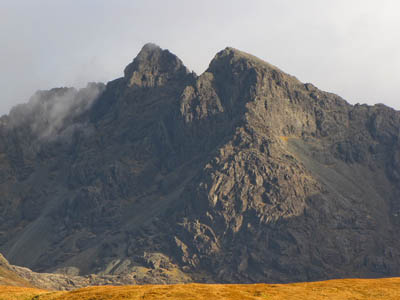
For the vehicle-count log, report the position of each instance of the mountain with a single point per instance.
(242, 174)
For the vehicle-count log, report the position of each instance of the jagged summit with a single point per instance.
(232, 55)
(149, 47)
(154, 66)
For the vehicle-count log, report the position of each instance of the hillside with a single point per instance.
(8, 277)
(384, 289)
(242, 174)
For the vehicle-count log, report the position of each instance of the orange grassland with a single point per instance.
(388, 288)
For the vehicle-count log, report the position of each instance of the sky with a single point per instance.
(351, 48)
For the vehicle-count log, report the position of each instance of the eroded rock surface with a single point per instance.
(241, 174)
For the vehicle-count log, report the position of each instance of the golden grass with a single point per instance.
(19, 293)
(387, 289)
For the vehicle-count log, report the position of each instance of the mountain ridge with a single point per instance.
(164, 174)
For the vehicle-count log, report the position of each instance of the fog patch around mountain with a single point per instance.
(51, 113)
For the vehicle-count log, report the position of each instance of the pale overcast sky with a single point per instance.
(351, 48)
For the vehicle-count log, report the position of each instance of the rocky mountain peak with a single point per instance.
(243, 174)
(232, 56)
(153, 67)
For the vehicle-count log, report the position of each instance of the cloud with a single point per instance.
(50, 114)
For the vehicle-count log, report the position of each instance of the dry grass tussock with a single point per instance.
(353, 289)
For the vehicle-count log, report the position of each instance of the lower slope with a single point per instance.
(388, 288)
(9, 277)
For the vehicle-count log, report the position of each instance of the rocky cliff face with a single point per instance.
(241, 174)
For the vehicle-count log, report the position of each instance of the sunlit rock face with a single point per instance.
(241, 174)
